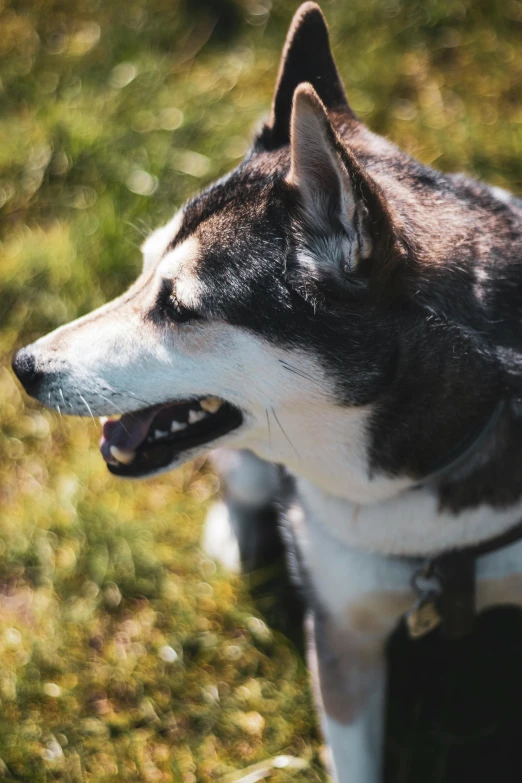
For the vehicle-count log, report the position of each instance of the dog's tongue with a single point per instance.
(127, 432)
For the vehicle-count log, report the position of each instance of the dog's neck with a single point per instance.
(328, 447)
(412, 523)
(477, 498)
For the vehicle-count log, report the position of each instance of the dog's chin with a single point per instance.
(163, 437)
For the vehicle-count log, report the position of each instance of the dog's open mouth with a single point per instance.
(148, 440)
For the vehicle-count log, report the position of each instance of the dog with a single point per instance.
(334, 307)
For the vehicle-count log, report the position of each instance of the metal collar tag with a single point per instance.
(424, 616)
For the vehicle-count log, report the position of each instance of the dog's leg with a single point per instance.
(348, 668)
(243, 532)
(357, 600)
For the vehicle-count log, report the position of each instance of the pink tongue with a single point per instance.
(128, 431)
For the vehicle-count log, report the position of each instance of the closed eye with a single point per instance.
(170, 307)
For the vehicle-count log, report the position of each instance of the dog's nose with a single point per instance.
(24, 367)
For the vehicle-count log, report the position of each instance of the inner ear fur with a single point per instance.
(306, 57)
(335, 189)
(317, 170)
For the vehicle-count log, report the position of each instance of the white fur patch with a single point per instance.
(334, 253)
(157, 243)
(219, 541)
(409, 523)
(339, 572)
(357, 747)
(249, 480)
(502, 195)
(180, 265)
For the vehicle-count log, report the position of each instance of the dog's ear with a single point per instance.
(307, 57)
(342, 207)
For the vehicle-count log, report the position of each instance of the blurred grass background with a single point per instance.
(124, 654)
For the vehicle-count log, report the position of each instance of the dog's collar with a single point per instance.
(445, 584)
(471, 444)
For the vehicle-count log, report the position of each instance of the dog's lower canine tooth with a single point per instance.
(160, 434)
(211, 404)
(195, 416)
(122, 455)
(103, 419)
(176, 426)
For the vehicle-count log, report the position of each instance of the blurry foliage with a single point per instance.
(123, 654)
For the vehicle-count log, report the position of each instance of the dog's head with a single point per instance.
(285, 308)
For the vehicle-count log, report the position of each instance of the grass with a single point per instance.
(124, 654)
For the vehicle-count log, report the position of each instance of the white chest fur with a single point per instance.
(411, 523)
(350, 552)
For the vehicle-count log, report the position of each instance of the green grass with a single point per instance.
(111, 114)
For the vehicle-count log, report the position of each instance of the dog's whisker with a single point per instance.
(300, 373)
(269, 429)
(284, 433)
(118, 409)
(147, 403)
(292, 368)
(144, 230)
(141, 231)
(82, 398)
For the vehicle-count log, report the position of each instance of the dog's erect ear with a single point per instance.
(307, 57)
(342, 206)
(317, 169)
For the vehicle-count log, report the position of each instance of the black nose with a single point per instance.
(24, 366)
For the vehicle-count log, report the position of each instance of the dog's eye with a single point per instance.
(173, 309)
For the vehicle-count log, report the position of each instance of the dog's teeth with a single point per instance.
(211, 404)
(122, 455)
(195, 416)
(160, 434)
(103, 419)
(176, 426)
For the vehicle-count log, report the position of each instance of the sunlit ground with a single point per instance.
(124, 654)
